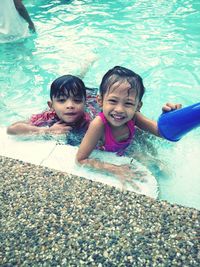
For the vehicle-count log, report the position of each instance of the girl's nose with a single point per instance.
(119, 108)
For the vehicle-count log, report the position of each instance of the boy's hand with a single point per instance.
(170, 106)
(59, 128)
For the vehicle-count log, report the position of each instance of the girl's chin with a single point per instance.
(116, 123)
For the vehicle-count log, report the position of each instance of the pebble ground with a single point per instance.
(50, 218)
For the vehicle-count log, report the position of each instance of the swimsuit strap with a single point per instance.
(110, 143)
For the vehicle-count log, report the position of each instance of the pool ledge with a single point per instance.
(50, 218)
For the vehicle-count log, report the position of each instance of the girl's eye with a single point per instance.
(112, 101)
(129, 104)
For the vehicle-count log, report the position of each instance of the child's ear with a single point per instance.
(50, 104)
(99, 100)
(139, 106)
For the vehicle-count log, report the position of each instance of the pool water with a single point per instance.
(160, 40)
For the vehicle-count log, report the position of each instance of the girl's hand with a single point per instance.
(127, 174)
(59, 128)
(170, 106)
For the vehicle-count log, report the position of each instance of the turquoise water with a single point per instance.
(160, 40)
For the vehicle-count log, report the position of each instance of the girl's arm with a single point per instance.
(146, 124)
(94, 133)
(88, 144)
(149, 125)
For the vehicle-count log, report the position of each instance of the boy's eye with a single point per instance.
(61, 100)
(78, 100)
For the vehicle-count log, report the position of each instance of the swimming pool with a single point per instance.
(158, 40)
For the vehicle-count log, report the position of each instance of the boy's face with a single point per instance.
(120, 104)
(68, 109)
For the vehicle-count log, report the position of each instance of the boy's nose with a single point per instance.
(69, 103)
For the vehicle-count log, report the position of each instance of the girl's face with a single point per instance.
(68, 109)
(120, 104)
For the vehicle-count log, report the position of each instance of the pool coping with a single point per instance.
(51, 218)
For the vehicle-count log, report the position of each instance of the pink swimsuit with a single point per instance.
(110, 143)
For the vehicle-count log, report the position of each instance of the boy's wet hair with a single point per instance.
(120, 74)
(68, 85)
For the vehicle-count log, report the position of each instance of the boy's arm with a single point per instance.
(24, 13)
(25, 128)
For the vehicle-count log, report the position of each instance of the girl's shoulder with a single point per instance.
(102, 117)
(97, 120)
(97, 123)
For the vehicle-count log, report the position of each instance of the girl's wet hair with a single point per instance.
(66, 86)
(120, 75)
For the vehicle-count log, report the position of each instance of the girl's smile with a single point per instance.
(117, 117)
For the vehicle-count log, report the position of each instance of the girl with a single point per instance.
(120, 98)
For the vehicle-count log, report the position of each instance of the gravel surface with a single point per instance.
(51, 218)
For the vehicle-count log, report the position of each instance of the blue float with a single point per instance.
(175, 124)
